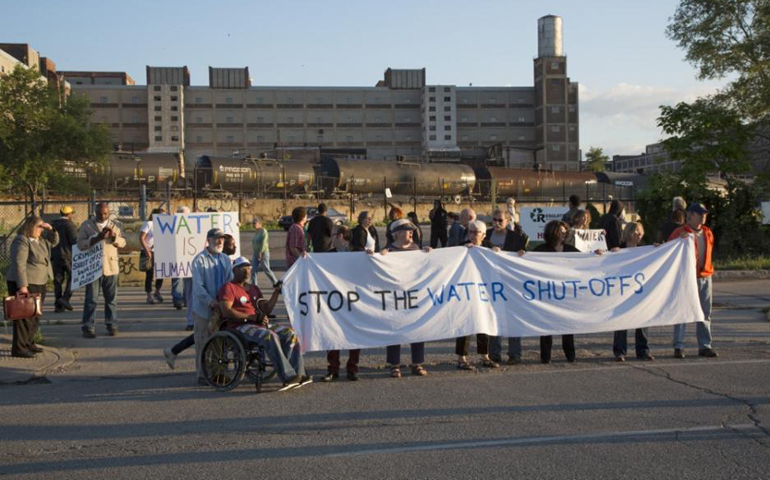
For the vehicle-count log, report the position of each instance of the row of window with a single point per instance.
(433, 89)
(159, 138)
(173, 88)
(292, 139)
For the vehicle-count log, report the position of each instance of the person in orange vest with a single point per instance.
(704, 242)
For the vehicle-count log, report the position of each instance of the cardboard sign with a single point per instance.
(590, 240)
(182, 236)
(86, 266)
(533, 220)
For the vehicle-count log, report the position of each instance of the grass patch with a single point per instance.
(743, 263)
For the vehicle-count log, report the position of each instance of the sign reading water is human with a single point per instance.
(180, 237)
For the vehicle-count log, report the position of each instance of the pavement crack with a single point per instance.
(752, 412)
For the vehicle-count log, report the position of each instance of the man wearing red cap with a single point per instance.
(704, 243)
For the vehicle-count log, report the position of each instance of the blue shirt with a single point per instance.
(209, 273)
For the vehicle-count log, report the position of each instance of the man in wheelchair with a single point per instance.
(245, 310)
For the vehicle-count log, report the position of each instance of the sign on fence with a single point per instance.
(87, 265)
(180, 237)
(590, 240)
(533, 220)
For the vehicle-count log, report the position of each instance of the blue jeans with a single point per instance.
(282, 348)
(108, 285)
(188, 295)
(702, 329)
(177, 290)
(265, 264)
(496, 348)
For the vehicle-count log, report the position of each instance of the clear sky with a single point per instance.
(616, 49)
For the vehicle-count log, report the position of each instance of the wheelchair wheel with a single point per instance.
(224, 361)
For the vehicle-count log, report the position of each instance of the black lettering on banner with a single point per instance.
(341, 300)
(382, 294)
(411, 298)
(397, 299)
(352, 300)
(318, 298)
(303, 311)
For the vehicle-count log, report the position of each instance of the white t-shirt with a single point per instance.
(369, 241)
(149, 239)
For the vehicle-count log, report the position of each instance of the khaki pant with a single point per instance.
(201, 334)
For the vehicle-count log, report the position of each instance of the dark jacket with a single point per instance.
(544, 247)
(610, 223)
(68, 236)
(358, 243)
(666, 230)
(438, 218)
(515, 239)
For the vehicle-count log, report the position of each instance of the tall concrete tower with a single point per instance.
(556, 101)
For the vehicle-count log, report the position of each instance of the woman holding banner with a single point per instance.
(365, 237)
(581, 221)
(631, 238)
(403, 230)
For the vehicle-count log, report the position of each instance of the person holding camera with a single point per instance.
(95, 230)
(28, 273)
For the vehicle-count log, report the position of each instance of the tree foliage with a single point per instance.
(43, 135)
(724, 38)
(595, 159)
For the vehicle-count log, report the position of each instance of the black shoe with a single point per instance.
(571, 359)
(178, 306)
(646, 357)
(514, 361)
(353, 377)
(89, 334)
(330, 377)
(496, 359)
(545, 361)
(24, 354)
(620, 358)
(707, 352)
(678, 353)
(34, 349)
(112, 331)
(66, 304)
(189, 328)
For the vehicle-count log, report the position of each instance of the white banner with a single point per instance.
(765, 213)
(86, 266)
(533, 220)
(590, 240)
(180, 237)
(353, 300)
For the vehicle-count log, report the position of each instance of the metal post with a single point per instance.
(143, 202)
(195, 188)
(604, 199)
(414, 195)
(493, 194)
(92, 204)
(352, 194)
(384, 196)
(168, 197)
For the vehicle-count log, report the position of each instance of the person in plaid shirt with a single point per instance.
(295, 239)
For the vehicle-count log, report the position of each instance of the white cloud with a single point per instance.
(622, 119)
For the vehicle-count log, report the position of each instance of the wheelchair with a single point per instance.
(228, 356)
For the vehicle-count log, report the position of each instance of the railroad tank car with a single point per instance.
(522, 183)
(373, 176)
(255, 176)
(127, 171)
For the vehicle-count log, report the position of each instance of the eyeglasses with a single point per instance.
(500, 220)
(473, 231)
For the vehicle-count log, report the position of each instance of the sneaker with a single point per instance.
(150, 299)
(647, 357)
(112, 331)
(678, 353)
(157, 297)
(620, 358)
(330, 377)
(170, 357)
(189, 328)
(293, 382)
(571, 359)
(353, 377)
(89, 334)
(707, 352)
(307, 379)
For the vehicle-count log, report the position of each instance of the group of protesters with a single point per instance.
(225, 286)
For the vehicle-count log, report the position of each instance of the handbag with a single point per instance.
(144, 261)
(21, 306)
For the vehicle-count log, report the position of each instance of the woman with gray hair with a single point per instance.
(365, 237)
(29, 273)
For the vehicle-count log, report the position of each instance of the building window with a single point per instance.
(158, 128)
(174, 98)
(260, 139)
(260, 120)
(571, 129)
(447, 118)
(174, 119)
(572, 109)
(198, 100)
(522, 119)
(554, 65)
(349, 138)
(319, 138)
(199, 139)
(464, 119)
(290, 120)
(157, 108)
(554, 109)
(229, 100)
(291, 138)
(158, 138)
(198, 119)
(492, 100)
(174, 88)
(465, 138)
(230, 139)
(350, 119)
(156, 98)
(174, 108)
(432, 89)
(447, 89)
(289, 100)
(447, 109)
(431, 109)
(174, 139)
(432, 99)
(432, 137)
(432, 118)
(493, 137)
(447, 128)
(103, 99)
(492, 119)
(377, 100)
(447, 99)
(556, 148)
(134, 99)
(229, 120)
(378, 138)
(432, 128)
(465, 100)
(259, 100)
(447, 137)
(408, 138)
(158, 118)
(378, 120)
(156, 88)
(174, 128)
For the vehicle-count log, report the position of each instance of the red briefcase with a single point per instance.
(23, 305)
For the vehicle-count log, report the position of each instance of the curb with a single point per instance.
(63, 359)
(741, 275)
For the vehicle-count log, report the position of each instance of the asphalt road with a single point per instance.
(119, 412)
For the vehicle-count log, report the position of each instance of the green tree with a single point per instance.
(595, 159)
(729, 37)
(43, 135)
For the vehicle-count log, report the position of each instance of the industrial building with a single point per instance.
(402, 115)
